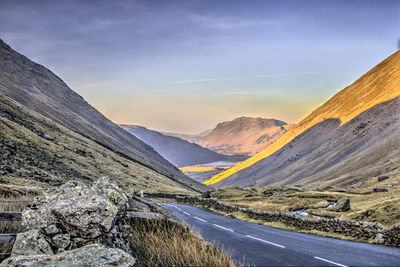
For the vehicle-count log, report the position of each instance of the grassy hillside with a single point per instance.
(37, 152)
(379, 85)
(38, 89)
(328, 155)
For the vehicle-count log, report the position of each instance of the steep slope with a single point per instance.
(244, 135)
(379, 85)
(328, 154)
(39, 89)
(37, 152)
(192, 138)
(177, 151)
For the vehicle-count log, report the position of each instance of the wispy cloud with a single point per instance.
(225, 23)
(240, 78)
(99, 24)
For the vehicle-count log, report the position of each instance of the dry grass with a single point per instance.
(365, 206)
(11, 201)
(160, 243)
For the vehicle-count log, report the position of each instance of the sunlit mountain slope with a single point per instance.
(380, 84)
(244, 135)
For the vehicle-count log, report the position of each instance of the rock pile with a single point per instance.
(81, 225)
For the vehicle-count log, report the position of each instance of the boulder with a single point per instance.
(90, 255)
(343, 204)
(382, 178)
(379, 190)
(379, 239)
(81, 210)
(31, 243)
(61, 241)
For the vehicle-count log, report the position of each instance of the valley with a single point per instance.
(199, 133)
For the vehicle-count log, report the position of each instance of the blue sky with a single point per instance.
(184, 66)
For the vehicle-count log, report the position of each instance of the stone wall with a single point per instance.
(362, 230)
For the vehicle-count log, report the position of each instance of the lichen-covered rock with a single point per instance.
(77, 208)
(91, 255)
(31, 243)
(61, 241)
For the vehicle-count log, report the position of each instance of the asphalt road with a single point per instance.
(259, 245)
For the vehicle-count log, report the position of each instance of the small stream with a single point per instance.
(304, 212)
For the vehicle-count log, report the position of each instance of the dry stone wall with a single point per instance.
(362, 230)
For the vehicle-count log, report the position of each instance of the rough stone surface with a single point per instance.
(342, 204)
(81, 210)
(31, 243)
(379, 239)
(61, 241)
(91, 255)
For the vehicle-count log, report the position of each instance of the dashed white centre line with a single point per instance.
(178, 208)
(265, 241)
(223, 227)
(186, 213)
(200, 219)
(335, 263)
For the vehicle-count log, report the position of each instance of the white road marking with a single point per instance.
(265, 241)
(200, 219)
(186, 213)
(178, 208)
(335, 263)
(222, 227)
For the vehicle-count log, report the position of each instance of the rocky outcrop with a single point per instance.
(90, 255)
(80, 210)
(64, 222)
(342, 204)
(362, 230)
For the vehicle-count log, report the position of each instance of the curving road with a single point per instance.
(259, 245)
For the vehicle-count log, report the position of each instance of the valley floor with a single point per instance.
(368, 204)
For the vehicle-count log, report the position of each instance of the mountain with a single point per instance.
(244, 135)
(178, 151)
(37, 152)
(40, 90)
(192, 138)
(350, 139)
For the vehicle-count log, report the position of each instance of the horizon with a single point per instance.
(184, 67)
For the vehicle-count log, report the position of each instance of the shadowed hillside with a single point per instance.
(328, 154)
(37, 152)
(192, 138)
(244, 135)
(37, 88)
(176, 150)
(379, 85)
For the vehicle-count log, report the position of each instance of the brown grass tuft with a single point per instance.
(161, 243)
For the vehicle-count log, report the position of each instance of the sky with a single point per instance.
(184, 66)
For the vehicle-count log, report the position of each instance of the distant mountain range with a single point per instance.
(178, 151)
(38, 89)
(349, 140)
(192, 138)
(244, 135)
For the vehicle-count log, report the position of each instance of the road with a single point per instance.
(258, 245)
